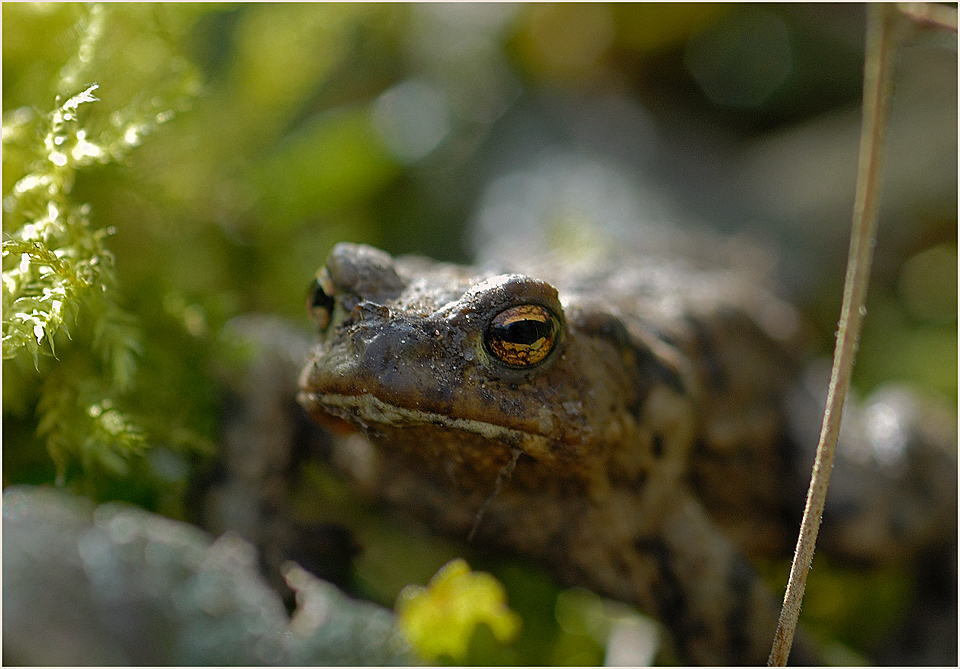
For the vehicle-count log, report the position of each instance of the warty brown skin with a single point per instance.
(644, 458)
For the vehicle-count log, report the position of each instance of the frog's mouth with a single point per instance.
(366, 410)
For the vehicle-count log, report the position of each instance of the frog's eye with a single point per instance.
(522, 336)
(320, 299)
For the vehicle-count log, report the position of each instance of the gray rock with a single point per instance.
(118, 585)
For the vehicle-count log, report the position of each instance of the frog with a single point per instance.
(630, 424)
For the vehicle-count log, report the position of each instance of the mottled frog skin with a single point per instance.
(625, 423)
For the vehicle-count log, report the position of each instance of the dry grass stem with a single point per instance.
(926, 12)
(882, 21)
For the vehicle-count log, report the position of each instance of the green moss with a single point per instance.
(61, 305)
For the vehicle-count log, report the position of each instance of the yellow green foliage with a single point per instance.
(440, 619)
(68, 343)
(126, 249)
(55, 267)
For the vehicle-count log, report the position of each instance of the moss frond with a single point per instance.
(59, 283)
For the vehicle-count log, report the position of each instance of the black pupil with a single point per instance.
(524, 332)
(321, 299)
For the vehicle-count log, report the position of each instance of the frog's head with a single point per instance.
(461, 367)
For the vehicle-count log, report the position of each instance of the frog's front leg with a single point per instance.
(680, 568)
(708, 593)
(640, 534)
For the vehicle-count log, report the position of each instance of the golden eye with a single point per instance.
(522, 336)
(320, 299)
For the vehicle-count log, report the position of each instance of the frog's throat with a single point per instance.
(367, 409)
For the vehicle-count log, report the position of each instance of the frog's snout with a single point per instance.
(395, 361)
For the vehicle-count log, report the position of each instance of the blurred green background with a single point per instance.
(234, 144)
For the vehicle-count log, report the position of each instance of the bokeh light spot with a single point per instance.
(928, 285)
(742, 59)
(413, 118)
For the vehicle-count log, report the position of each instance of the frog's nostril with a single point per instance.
(367, 309)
